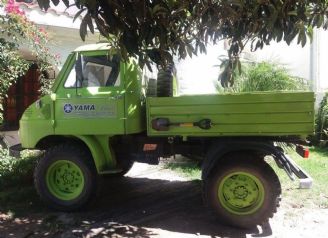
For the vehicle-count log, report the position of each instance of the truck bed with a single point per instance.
(244, 114)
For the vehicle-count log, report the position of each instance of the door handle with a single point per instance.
(116, 97)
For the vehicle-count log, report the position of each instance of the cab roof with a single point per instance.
(93, 47)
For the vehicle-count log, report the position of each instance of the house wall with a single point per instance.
(322, 60)
(309, 62)
(293, 57)
(63, 32)
(64, 40)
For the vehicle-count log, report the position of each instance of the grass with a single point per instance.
(189, 169)
(316, 167)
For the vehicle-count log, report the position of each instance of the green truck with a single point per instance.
(99, 120)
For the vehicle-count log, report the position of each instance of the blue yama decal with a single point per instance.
(68, 108)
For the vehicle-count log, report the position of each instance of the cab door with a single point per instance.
(90, 101)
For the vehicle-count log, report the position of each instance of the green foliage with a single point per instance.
(321, 127)
(16, 171)
(154, 30)
(16, 181)
(265, 76)
(17, 31)
(12, 66)
(230, 68)
(188, 169)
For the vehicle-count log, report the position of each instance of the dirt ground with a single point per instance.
(154, 202)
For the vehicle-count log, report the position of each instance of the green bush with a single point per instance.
(16, 171)
(321, 127)
(265, 76)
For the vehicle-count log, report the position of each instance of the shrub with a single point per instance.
(265, 76)
(16, 171)
(321, 127)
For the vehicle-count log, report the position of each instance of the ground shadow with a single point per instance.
(175, 206)
(128, 207)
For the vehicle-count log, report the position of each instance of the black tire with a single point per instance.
(165, 82)
(69, 156)
(224, 196)
(151, 88)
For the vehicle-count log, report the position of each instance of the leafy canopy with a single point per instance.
(17, 31)
(154, 30)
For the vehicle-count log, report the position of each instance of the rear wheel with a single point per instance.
(65, 177)
(243, 192)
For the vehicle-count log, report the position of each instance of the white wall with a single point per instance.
(293, 57)
(198, 74)
(322, 60)
(58, 22)
(63, 40)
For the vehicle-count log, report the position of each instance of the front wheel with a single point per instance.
(65, 178)
(243, 192)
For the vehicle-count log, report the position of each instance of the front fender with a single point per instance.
(101, 151)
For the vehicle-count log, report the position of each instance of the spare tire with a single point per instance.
(151, 88)
(165, 81)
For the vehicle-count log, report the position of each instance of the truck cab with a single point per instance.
(95, 94)
(95, 97)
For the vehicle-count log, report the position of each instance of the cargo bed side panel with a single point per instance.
(250, 114)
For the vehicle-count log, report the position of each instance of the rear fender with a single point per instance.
(218, 150)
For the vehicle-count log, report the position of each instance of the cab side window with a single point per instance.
(94, 71)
